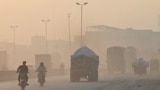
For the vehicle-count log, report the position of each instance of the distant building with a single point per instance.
(38, 44)
(116, 59)
(58, 49)
(131, 56)
(56, 59)
(101, 37)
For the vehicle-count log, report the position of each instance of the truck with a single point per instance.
(116, 59)
(45, 58)
(84, 64)
(140, 67)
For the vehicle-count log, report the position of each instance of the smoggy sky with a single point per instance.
(27, 14)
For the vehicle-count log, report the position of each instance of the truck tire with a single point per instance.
(72, 77)
(96, 75)
(90, 76)
(77, 78)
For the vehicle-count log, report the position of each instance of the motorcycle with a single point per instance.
(41, 78)
(23, 81)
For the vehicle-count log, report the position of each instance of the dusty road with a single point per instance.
(105, 82)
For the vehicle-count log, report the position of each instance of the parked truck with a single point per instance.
(84, 64)
(116, 59)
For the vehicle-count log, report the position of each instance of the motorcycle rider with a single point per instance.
(62, 67)
(23, 69)
(41, 70)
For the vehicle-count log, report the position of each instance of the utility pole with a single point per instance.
(46, 22)
(14, 51)
(81, 5)
(69, 32)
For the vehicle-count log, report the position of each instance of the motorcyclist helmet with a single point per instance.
(41, 64)
(24, 62)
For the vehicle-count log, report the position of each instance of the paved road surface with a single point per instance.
(105, 83)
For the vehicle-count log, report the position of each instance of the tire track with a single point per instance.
(110, 84)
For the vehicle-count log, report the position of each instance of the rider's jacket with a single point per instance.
(22, 69)
(41, 69)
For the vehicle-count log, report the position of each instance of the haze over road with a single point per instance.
(113, 82)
